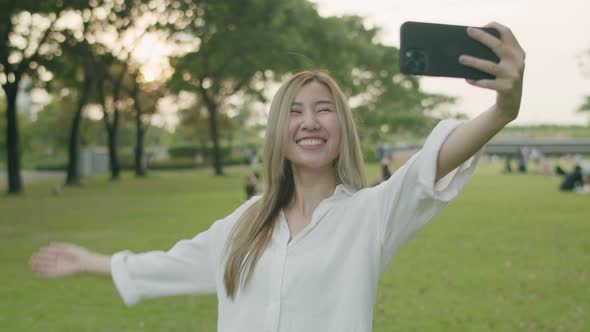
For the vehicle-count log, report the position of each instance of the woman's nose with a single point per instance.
(310, 121)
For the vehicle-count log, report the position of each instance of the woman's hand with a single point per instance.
(59, 260)
(508, 72)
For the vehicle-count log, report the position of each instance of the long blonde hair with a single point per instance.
(253, 231)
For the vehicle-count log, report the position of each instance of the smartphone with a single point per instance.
(432, 49)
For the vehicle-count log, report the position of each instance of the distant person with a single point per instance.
(308, 253)
(199, 158)
(508, 165)
(252, 184)
(535, 157)
(585, 188)
(522, 159)
(573, 180)
(254, 159)
(522, 164)
(384, 171)
(547, 167)
(559, 170)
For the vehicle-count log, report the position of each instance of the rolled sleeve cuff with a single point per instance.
(449, 186)
(122, 279)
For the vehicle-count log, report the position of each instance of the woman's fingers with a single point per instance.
(486, 66)
(508, 71)
(485, 38)
(58, 251)
(49, 266)
(505, 33)
(54, 260)
(486, 84)
(500, 85)
(47, 271)
(43, 265)
(43, 258)
(42, 268)
(505, 46)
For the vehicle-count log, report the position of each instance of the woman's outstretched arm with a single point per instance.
(64, 259)
(470, 137)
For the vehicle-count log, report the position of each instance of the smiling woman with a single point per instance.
(308, 253)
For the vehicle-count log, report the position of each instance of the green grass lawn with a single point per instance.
(512, 253)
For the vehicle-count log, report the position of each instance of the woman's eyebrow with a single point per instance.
(316, 103)
(324, 102)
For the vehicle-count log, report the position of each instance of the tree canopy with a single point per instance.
(220, 50)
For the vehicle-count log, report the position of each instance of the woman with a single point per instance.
(307, 254)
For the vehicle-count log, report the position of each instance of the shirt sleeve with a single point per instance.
(411, 198)
(190, 267)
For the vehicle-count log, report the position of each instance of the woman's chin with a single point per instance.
(314, 165)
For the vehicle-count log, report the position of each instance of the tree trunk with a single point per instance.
(113, 158)
(15, 185)
(112, 130)
(73, 174)
(139, 149)
(217, 158)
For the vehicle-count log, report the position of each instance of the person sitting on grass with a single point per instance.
(572, 180)
(308, 253)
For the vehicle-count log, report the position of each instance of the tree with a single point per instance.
(76, 68)
(195, 125)
(2, 125)
(239, 45)
(27, 31)
(145, 99)
(90, 64)
(112, 67)
(84, 92)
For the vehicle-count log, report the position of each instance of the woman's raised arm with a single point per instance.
(470, 137)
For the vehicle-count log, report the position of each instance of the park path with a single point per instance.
(33, 177)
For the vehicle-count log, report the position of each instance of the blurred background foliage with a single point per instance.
(132, 77)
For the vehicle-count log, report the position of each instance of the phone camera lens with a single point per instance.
(415, 61)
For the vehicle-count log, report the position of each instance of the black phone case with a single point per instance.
(433, 50)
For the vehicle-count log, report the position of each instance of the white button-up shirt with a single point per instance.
(324, 279)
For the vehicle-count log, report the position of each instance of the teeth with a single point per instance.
(310, 141)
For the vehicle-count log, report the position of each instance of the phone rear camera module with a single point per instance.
(415, 61)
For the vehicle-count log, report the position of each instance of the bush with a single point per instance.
(51, 165)
(189, 151)
(128, 164)
(369, 153)
(235, 160)
(175, 163)
(189, 163)
(183, 151)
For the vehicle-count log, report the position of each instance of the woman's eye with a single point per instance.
(295, 111)
(325, 110)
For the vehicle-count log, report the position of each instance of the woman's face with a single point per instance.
(314, 131)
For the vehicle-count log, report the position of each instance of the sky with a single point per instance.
(554, 35)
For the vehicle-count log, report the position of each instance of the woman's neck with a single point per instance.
(311, 187)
